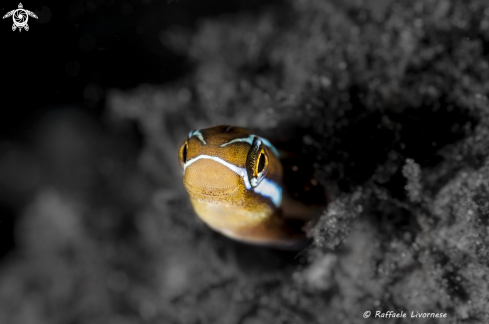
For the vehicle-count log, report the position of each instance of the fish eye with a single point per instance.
(262, 161)
(182, 154)
(257, 163)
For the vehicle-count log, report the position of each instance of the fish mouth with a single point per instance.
(209, 179)
(209, 192)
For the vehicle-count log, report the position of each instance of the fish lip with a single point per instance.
(194, 192)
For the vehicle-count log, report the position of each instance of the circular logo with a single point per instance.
(366, 314)
(20, 17)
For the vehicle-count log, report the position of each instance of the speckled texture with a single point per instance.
(389, 101)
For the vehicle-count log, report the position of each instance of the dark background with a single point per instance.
(79, 45)
(77, 50)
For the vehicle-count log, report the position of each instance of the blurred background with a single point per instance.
(385, 99)
(80, 50)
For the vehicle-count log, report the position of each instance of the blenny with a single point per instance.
(234, 179)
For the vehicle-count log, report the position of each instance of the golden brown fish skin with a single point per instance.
(234, 180)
